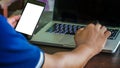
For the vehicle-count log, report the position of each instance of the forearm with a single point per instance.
(79, 57)
(84, 54)
(73, 59)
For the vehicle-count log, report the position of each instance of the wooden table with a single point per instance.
(102, 60)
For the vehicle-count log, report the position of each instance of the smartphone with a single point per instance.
(30, 17)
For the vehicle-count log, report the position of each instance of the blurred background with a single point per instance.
(10, 7)
(7, 7)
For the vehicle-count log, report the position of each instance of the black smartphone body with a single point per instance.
(30, 17)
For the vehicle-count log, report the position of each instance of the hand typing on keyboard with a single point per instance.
(92, 36)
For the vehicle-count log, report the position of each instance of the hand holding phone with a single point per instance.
(30, 17)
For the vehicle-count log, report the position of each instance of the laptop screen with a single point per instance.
(82, 11)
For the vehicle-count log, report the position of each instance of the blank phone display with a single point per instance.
(29, 18)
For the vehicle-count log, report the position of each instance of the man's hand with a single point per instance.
(93, 37)
(13, 20)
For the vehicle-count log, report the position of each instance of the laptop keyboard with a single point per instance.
(114, 33)
(71, 29)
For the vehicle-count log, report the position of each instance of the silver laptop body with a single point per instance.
(47, 37)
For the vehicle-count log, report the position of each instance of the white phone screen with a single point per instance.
(29, 18)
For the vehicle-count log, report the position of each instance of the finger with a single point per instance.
(103, 29)
(16, 17)
(79, 30)
(91, 25)
(14, 24)
(107, 34)
(98, 26)
(13, 20)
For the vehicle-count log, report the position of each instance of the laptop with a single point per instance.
(69, 16)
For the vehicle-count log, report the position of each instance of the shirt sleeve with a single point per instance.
(15, 50)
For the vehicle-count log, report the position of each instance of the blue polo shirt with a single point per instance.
(15, 50)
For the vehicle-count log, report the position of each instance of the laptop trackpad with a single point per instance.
(68, 40)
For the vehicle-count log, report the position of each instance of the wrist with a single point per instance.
(85, 49)
(84, 53)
